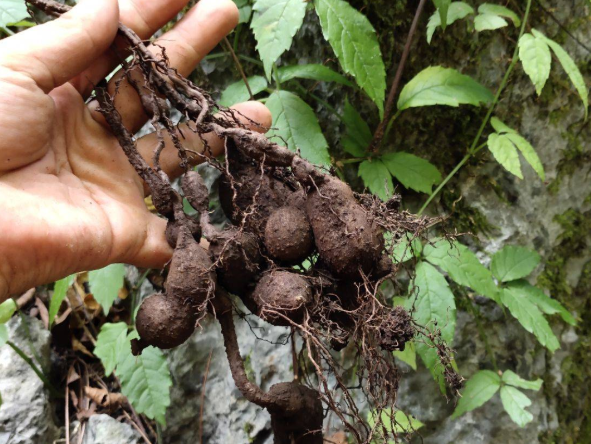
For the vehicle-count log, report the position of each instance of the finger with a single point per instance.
(144, 17)
(248, 112)
(55, 52)
(155, 251)
(200, 30)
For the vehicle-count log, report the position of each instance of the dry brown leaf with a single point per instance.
(79, 346)
(72, 375)
(337, 438)
(93, 308)
(103, 398)
(123, 293)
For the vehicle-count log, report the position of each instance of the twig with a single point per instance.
(140, 431)
(25, 298)
(203, 397)
(380, 131)
(67, 414)
(238, 66)
(564, 28)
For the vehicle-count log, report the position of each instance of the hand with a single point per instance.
(69, 200)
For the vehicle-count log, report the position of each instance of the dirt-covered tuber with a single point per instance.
(165, 322)
(191, 278)
(348, 240)
(288, 235)
(281, 296)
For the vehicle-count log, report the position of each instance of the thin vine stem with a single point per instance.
(34, 367)
(380, 131)
(474, 148)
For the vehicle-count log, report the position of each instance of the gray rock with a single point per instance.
(103, 429)
(227, 416)
(25, 413)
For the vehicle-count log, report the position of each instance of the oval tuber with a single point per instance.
(164, 322)
(282, 294)
(288, 235)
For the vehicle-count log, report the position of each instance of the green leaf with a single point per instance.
(403, 423)
(23, 24)
(536, 60)
(515, 403)
(106, 283)
(412, 171)
(528, 152)
(313, 72)
(146, 381)
(238, 93)
(377, 178)
(12, 11)
(442, 86)
(354, 41)
(456, 11)
(244, 10)
(407, 248)
(517, 381)
(479, 389)
(435, 309)
(443, 8)
(462, 266)
(3, 334)
(274, 24)
(488, 8)
(112, 345)
(7, 309)
(570, 67)
(500, 143)
(537, 297)
(296, 123)
(60, 289)
(357, 133)
(500, 127)
(505, 153)
(511, 263)
(489, 22)
(409, 355)
(530, 317)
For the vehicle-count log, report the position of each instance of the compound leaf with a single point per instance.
(296, 123)
(355, 44)
(105, 284)
(274, 24)
(479, 389)
(442, 86)
(412, 171)
(535, 57)
(512, 262)
(377, 178)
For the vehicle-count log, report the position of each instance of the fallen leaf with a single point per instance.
(103, 398)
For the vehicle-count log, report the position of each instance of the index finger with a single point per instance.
(53, 53)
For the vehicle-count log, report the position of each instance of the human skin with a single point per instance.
(69, 199)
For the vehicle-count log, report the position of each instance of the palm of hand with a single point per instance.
(70, 199)
(79, 198)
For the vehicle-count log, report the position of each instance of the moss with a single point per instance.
(464, 218)
(248, 368)
(573, 394)
(574, 157)
(248, 428)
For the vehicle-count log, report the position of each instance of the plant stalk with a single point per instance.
(380, 131)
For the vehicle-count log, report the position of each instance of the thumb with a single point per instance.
(53, 53)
